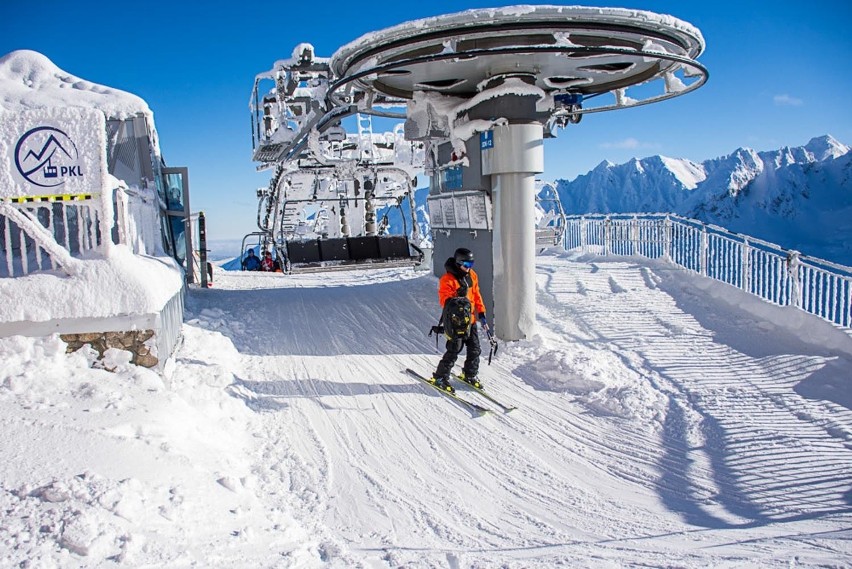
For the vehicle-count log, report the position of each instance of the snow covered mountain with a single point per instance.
(799, 198)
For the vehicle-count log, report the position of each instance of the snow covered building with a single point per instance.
(94, 232)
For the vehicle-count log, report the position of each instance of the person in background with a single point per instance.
(267, 264)
(460, 274)
(251, 262)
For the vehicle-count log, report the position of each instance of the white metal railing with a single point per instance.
(48, 233)
(43, 235)
(783, 277)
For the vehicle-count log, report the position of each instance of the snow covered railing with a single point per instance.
(783, 277)
(138, 220)
(42, 235)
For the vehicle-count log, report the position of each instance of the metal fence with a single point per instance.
(785, 278)
(70, 224)
(42, 234)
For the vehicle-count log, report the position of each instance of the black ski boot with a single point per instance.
(472, 381)
(442, 383)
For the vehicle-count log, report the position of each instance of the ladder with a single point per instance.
(365, 137)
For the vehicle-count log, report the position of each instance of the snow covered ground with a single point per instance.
(664, 421)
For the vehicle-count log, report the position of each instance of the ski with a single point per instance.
(479, 409)
(506, 408)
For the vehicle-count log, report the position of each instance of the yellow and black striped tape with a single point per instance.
(52, 198)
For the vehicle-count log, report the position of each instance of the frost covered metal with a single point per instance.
(579, 59)
(512, 75)
(321, 209)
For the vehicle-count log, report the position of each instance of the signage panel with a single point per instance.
(460, 210)
(59, 151)
(436, 213)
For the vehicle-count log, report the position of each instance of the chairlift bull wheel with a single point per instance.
(575, 117)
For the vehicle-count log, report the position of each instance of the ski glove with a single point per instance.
(482, 319)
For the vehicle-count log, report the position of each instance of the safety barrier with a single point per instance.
(782, 277)
(40, 233)
(70, 221)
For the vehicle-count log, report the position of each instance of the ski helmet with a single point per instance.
(461, 255)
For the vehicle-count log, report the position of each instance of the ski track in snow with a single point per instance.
(656, 427)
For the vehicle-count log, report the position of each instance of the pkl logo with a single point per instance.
(45, 156)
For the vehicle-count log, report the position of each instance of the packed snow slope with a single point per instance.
(663, 420)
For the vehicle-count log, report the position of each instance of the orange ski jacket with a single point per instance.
(449, 284)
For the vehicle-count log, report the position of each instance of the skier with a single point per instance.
(251, 262)
(460, 274)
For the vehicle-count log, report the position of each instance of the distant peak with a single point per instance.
(744, 151)
(826, 146)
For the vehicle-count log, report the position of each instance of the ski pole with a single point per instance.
(491, 339)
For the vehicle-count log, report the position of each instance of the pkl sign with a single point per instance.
(47, 157)
(52, 151)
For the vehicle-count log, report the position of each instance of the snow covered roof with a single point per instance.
(688, 34)
(29, 80)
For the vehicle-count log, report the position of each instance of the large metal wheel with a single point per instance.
(560, 49)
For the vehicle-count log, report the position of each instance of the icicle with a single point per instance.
(8, 233)
(25, 263)
(51, 226)
(67, 239)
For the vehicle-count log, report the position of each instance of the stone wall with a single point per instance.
(135, 342)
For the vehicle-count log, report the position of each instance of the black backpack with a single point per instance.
(457, 315)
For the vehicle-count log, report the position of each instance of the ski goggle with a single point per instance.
(466, 264)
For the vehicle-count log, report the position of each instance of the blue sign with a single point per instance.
(453, 178)
(486, 139)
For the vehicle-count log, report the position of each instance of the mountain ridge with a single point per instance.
(798, 197)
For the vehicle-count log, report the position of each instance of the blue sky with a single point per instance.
(779, 75)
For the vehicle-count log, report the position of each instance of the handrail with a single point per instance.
(764, 269)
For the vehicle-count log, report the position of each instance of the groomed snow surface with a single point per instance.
(663, 421)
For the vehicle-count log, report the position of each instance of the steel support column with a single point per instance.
(516, 157)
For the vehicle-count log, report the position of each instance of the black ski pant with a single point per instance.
(454, 348)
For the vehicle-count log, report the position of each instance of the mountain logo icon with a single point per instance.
(47, 157)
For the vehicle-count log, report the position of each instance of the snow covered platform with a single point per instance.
(663, 420)
(125, 301)
(85, 242)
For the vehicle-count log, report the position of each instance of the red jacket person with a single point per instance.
(460, 274)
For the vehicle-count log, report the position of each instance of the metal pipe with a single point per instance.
(517, 155)
(514, 255)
